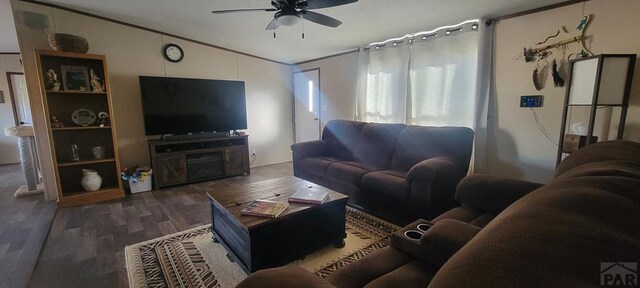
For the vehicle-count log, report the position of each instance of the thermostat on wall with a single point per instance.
(531, 101)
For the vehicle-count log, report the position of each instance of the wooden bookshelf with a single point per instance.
(80, 128)
(61, 103)
(83, 197)
(85, 162)
(75, 92)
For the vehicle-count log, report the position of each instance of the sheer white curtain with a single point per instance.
(439, 78)
(442, 80)
(385, 82)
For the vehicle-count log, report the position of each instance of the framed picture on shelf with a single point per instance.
(75, 78)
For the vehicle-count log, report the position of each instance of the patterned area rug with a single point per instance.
(191, 259)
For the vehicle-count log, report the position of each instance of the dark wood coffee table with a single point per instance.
(258, 242)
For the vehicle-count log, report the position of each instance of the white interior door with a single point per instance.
(306, 92)
(21, 99)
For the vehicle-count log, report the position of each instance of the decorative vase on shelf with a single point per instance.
(98, 152)
(90, 181)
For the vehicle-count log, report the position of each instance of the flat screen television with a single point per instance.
(182, 105)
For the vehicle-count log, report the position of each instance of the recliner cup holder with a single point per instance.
(413, 234)
(423, 227)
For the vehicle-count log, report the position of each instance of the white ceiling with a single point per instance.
(8, 36)
(363, 22)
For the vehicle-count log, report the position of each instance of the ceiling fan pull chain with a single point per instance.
(302, 29)
(274, 35)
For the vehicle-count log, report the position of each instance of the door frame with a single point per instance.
(13, 98)
(293, 101)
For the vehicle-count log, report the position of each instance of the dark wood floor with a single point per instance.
(24, 223)
(85, 246)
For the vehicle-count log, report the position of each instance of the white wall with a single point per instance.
(8, 37)
(268, 108)
(338, 77)
(8, 145)
(516, 148)
(132, 52)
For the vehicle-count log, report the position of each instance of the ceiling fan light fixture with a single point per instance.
(288, 20)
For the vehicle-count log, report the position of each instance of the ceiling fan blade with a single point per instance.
(273, 25)
(317, 4)
(321, 19)
(241, 10)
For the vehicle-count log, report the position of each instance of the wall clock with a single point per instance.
(172, 52)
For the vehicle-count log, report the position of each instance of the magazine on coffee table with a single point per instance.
(310, 195)
(265, 208)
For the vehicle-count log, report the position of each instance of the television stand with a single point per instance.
(183, 161)
(171, 137)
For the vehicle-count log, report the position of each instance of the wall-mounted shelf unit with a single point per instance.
(61, 103)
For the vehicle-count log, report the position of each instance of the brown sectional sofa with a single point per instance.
(395, 171)
(506, 235)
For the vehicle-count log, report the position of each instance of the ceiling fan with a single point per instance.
(290, 12)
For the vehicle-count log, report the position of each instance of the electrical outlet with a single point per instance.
(253, 152)
(531, 101)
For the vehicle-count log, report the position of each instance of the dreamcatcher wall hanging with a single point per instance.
(552, 55)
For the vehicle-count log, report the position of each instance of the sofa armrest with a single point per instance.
(445, 238)
(492, 193)
(436, 167)
(438, 243)
(308, 149)
(283, 277)
(432, 186)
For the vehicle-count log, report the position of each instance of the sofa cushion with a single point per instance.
(350, 172)
(418, 143)
(314, 169)
(341, 136)
(467, 214)
(415, 274)
(386, 184)
(286, 276)
(376, 143)
(387, 193)
(346, 176)
(370, 267)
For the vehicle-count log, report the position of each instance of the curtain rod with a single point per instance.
(426, 34)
